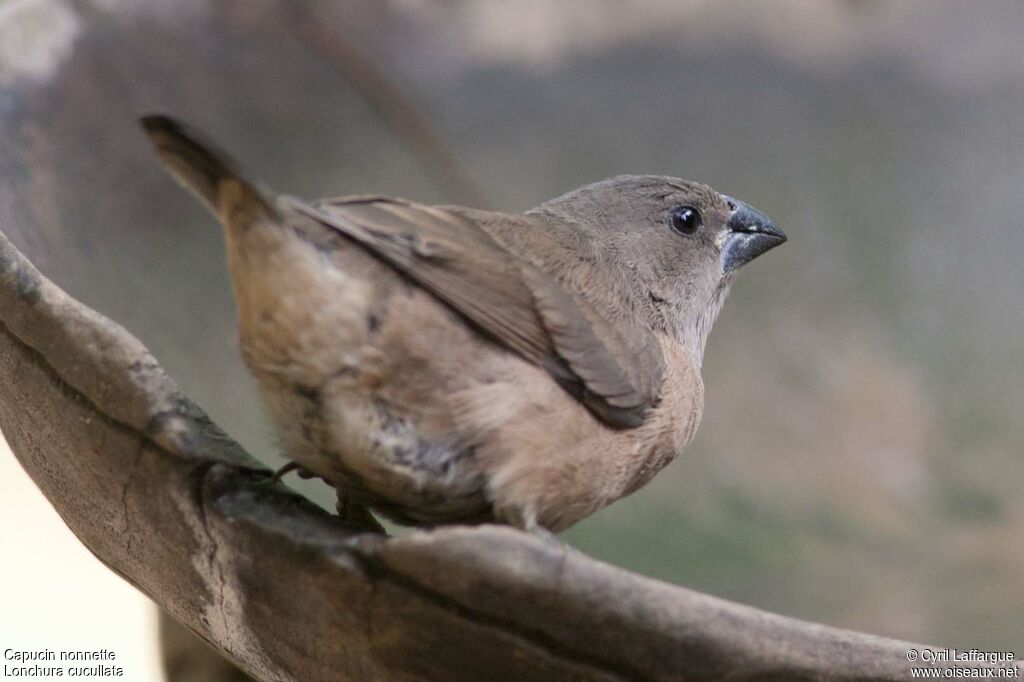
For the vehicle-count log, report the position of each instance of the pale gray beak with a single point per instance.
(750, 234)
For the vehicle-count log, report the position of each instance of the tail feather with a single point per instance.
(203, 169)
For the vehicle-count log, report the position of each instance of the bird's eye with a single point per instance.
(685, 220)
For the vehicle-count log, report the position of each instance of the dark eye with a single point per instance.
(685, 220)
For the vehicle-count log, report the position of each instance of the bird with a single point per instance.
(448, 365)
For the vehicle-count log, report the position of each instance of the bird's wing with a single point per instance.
(615, 371)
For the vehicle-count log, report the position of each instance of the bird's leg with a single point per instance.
(351, 512)
(290, 467)
(281, 472)
(532, 526)
(356, 514)
(546, 535)
(286, 469)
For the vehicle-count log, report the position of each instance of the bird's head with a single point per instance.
(678, 243)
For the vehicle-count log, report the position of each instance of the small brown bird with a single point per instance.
(442, 364)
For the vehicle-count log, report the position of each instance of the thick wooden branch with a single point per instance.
(187, 658)
(164, 498)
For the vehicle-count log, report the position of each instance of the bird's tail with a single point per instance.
(206, 171)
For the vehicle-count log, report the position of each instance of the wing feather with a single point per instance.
(615, 370)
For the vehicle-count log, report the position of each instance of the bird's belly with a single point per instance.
(379, 453)
(551, 463)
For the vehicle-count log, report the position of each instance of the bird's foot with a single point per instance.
(547, 536)
(542, 533)
(356, 514)
(286, 469)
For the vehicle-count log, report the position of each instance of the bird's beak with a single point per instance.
(749, 233)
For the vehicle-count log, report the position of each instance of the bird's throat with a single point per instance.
(697, 327)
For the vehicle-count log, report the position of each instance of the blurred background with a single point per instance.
(873, 479)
